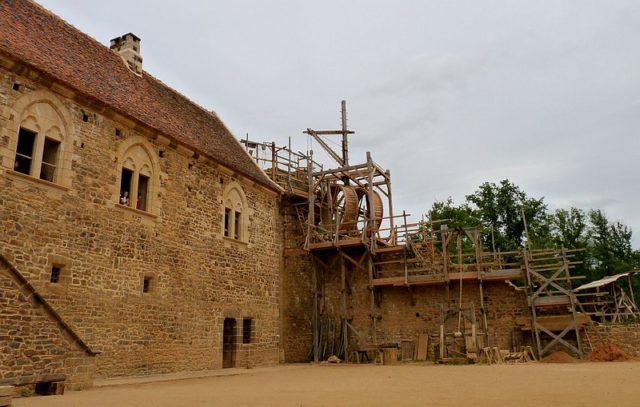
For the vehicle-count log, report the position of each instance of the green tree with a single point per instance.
(455, 215)
(500, 206)
(610, 245)
(569, 229)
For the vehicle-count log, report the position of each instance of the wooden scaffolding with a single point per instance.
(346, 223)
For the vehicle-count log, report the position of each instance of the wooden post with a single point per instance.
(345, 334)
(314, 284)
(312, 197)
(633, 298)
(274, 162)
(345, 145)
(445, 254)
(404, 252)
(391, 221)
(372, 298)
(442, 340)
(371, 221)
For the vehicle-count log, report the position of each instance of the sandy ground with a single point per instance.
(533, 384)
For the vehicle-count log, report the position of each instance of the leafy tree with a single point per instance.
(455, 215)
(500, 206)
(605, 246)
(569, 229)
(610, 245)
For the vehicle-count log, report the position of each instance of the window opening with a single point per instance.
(236, 224)
(143, 188)
(55, 274)
(146, 285)
(24, 152)
(227, 221)
(49, 159)
(16, 86)
(246, 330)
(125, 186)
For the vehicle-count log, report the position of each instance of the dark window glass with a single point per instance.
(227, 221)
(24, 152)
(236, 231)
(49, 159)
(246, 330)
(146, 285)
(55, 274)
(143, 190)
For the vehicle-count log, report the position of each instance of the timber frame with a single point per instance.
(347, 225)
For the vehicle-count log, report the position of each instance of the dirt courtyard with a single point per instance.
(533, 384)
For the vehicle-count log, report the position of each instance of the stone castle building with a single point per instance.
(136, 234)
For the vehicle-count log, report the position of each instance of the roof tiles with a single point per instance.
(39, 38)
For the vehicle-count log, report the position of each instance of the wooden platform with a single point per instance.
(552, 301)
(431, 279)
(554, 323)
(352, 242)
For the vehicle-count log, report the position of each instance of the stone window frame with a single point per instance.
(136, 154)
(64, 263)
(42, 113)
(234, 212)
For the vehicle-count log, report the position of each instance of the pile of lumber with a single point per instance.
(496, 356)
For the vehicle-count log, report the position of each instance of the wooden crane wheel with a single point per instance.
(341, 208)
(348, 207)
(366, 219)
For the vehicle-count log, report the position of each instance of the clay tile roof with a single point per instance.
(40, 39)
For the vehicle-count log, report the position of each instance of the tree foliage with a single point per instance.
(497, 208)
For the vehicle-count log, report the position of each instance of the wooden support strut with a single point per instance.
(372, 299)
(343, 281)
(314, 285)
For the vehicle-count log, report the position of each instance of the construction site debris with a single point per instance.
(559, 357)
(493, 356)
(608, 353)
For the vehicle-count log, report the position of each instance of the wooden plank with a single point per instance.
(413, 280)
(552, 301)
(502, 275)
(397, 248)
(422, 347)
(294, 252)
(554, 323)
(407, 350)
(356, 241)
(390, 356)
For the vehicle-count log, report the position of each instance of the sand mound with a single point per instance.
(608, 353)
(559, 357)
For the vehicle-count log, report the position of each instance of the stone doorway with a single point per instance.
(229, 343)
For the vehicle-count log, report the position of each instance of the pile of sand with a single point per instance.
(608, 353)
(559, 357)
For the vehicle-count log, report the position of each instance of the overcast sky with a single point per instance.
(446, 94)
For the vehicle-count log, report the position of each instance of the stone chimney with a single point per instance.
(128, 46)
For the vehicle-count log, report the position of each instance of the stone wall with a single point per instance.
(404, 314)
(626, 337)
(297, 293)
(36, 346)
(105, 250)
